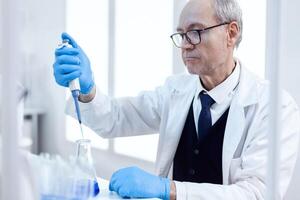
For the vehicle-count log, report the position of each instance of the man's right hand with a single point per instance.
(72, 63)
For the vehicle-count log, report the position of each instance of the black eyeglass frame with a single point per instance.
(199, 31)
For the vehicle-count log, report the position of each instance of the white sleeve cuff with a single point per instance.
(180, 191)
(99, 99)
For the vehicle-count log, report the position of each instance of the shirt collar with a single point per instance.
(224, 89)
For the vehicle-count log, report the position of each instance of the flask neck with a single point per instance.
(83, 151)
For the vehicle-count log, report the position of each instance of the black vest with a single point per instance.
(200, 162)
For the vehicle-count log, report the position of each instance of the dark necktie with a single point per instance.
(204, 121)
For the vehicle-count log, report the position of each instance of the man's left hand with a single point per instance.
(133, 182)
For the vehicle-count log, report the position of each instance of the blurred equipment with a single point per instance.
(56, 178)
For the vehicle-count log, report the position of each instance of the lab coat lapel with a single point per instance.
(233, 133)
(180, 102)
(246, 95)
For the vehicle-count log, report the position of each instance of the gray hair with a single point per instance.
(228, 11)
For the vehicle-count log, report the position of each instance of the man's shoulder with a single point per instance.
(251, 86)
(182, 81)
(262, 88)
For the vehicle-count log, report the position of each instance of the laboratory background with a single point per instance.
(119, 35)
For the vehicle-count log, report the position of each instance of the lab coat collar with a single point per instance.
(248, 82)
(224, 89)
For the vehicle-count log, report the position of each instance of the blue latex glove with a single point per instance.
(133, 182)
(71, 63)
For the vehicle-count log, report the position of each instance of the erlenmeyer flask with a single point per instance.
(84, 162)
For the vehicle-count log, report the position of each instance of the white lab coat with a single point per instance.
(245, 141)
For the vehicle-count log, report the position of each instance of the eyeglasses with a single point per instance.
(192, 36)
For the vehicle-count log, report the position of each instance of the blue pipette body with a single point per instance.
(74, 87)
(75, 95)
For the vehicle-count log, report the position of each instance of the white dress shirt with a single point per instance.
(222, 95)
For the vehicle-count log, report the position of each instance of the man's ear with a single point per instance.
(233, 33)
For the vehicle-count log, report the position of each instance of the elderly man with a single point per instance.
(213, 122)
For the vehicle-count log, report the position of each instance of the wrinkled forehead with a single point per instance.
(197, 14)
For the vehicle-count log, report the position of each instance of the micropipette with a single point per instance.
(74, 87)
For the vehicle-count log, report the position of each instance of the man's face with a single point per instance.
(212, 53)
